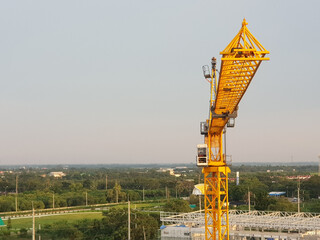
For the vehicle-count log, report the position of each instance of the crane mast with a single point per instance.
(239, 63)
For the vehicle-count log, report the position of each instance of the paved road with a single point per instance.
(45, 214)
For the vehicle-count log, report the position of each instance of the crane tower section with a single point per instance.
(239, 63)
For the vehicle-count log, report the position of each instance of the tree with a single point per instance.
(281, 204)
(23, 232)
(177, 205)
(110, 196)
(89, 184)
(61, 230)
(254, 185)
(75, 199)
(184, 188)
(312, 186)
(313, 206)
(143, 224)
(7, 204)
(262, 201)
(237, 192)
(75, 187)
(117, 190)
(115, 223)
(133, 195)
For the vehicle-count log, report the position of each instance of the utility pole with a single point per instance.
(143, 194)
(52, 200)
(176, 192)
(106, 182)
(5, 190)
(16, 193)
(144, 233)
(129, 221)
(33, 224)
(166, 192)
(117, 193)
(299, 196)
(86, 198)
(249, 200)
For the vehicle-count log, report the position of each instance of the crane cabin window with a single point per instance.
(202, 152)
(202, 156)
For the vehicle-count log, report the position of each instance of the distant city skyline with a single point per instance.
(121, 81)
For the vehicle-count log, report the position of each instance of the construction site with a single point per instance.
(136, 119)
(258, 225)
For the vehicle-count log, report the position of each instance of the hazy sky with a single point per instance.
(121, 81)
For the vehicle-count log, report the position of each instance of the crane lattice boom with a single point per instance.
(239, 63)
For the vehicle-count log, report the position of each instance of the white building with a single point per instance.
(57, 174)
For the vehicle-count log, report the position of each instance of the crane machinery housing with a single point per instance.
(239, 63)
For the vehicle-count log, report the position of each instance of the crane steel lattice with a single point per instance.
(239, 63)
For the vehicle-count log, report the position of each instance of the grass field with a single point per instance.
(70, 217)
(74, 217)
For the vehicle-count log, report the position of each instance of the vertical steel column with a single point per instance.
(224, 206)
(216, 203)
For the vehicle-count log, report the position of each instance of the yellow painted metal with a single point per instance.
(239, 63)
(216, 202)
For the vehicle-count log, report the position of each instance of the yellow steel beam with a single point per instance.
(244, 59)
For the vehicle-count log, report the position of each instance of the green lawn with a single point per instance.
(70, 217)
(74, 217)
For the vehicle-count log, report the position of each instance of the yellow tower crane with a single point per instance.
(239, 63)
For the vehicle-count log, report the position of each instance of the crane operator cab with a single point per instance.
(202, 156)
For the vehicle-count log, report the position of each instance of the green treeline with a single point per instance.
(114, 225)
(83, 186)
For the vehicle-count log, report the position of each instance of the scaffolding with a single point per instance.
(258, 220)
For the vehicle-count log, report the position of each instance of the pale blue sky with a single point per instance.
(121, 81)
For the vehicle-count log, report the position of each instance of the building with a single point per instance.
(57, 174)
(276, 194)
(300, 177)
